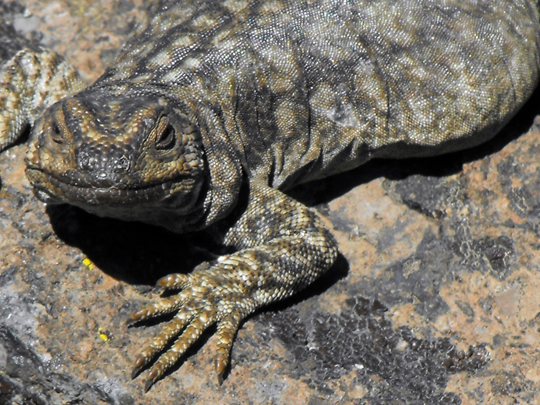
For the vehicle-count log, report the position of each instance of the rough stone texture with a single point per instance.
(435, 298)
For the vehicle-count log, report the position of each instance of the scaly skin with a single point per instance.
(25, 83)
(214, 107)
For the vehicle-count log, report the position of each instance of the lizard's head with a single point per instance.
(128, 158)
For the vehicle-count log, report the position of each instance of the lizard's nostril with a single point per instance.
(121, 165)
(84, 161)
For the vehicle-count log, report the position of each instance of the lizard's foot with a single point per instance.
(207, 297)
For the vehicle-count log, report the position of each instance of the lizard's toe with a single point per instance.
(169, 331)
(193, 331)
(163, 306)
(176, 281)
(225, 336)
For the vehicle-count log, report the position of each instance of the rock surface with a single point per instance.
(434, 299)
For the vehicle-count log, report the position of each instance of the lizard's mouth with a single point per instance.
(52, 190)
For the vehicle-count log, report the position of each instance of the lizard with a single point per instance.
(214, 109)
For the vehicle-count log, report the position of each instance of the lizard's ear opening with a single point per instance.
(56, 133)
(165, 135)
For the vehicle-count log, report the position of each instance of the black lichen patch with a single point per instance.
(25, 378)
(427, 195)
(444, 201)
(499, 252)
(421, 276)
(524, 199)
(390, 363)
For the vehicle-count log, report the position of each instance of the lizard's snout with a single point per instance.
(103, 167)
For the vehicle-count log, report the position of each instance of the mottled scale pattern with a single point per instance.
(213, 108)
(25, 83)
(394, 83)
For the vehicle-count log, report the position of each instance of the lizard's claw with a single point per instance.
(207, 298)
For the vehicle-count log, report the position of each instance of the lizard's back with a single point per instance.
(307, 89)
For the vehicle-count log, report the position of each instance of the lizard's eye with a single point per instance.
(166, 140)
(56, 134)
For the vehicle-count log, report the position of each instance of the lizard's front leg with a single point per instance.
(282, 247)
